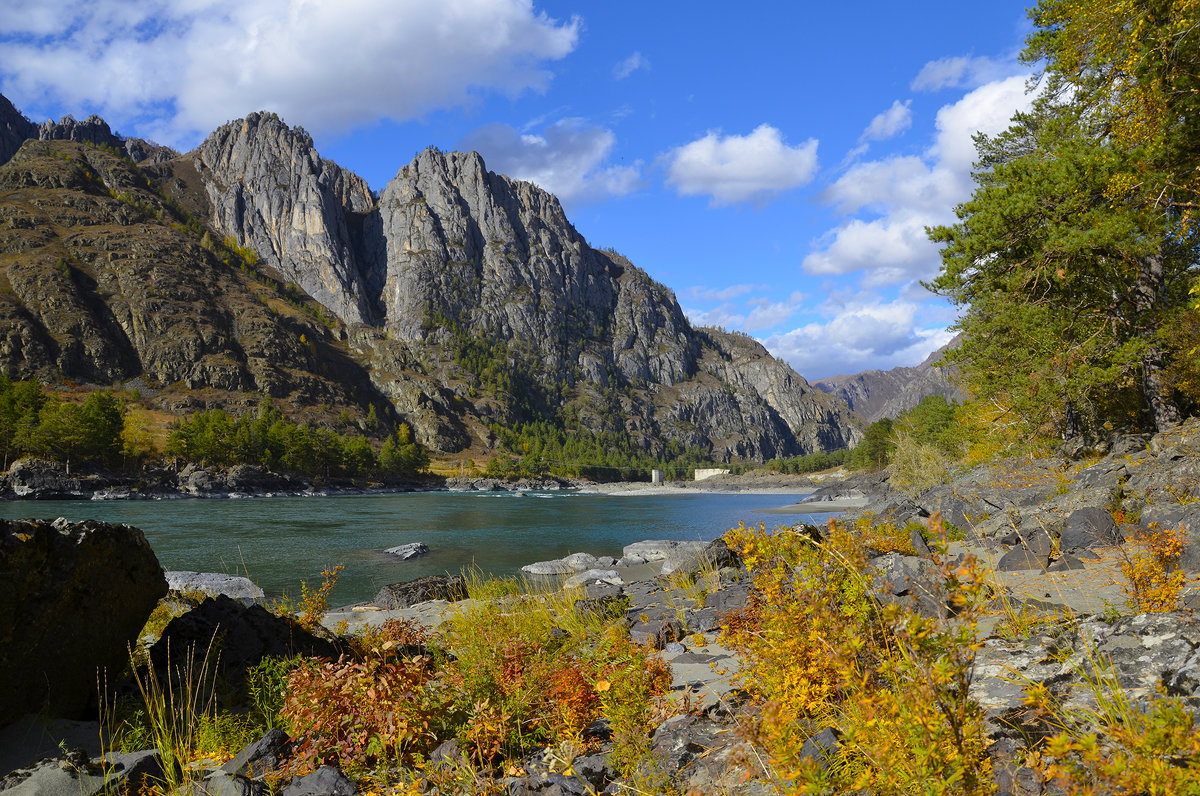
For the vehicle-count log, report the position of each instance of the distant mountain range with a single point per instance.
(456, 299)
(876, 394)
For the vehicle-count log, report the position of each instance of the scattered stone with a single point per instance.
(1020, 559)
(410, 592)
(555, 567)
(407, 552)
(325, 781)
(656, 632)
(609, 576)
(692, 558)
(581, 561)
(729, 599)
(74, 597)
(261, 756)
(821, 748)
(222, 783)
(1088, 527)
(214, 583)
(1066, 563)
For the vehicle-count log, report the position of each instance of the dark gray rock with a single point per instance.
(705, 620)
(1089, 527)
(222, 783)
(325, 781)
(246, 634)
(657, 632)
(262, 756)
(728, 599)
(1066, 563)
(1020, 559)
(410, 592)
(74, 597)
(909, 580)
(821, 748)
(447, 753)
(76, 775)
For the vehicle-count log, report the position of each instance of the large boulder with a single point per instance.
(235, 636)
(74, 597)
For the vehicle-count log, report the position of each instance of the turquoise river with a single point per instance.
(280, 541)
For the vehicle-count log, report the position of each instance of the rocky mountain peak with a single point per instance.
(271, 192)
(15, 129)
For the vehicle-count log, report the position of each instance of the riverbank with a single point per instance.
(36, 479)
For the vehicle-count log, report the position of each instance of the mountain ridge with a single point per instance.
(465, 299)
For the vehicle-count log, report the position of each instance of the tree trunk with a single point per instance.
(1147, 295)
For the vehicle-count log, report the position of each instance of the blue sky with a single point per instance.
(774, 163)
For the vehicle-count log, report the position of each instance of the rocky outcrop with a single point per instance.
(75, 596)
(876, 394)
(269, 189)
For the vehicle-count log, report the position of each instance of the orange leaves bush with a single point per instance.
(359, 714)
(1155, 581)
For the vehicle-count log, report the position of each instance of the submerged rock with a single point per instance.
(407, 552)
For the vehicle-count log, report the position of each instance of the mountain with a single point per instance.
(876, 394)
(463, 301)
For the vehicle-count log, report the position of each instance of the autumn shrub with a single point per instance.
(1155, 581)
(360, 714)
(530, 669)
(917, 466)
(314, 603)
(819, 651)
(1120, 744)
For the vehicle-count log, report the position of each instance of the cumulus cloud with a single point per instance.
(892, 122)
(190, 65)
(959, 70)
(905, 194)
(736, 168)
(627, 66)
(568, 159)
(862, 335)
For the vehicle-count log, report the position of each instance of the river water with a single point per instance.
(278, 542)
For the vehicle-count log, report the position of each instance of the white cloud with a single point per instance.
(908, 193)
(190, 65)
(862, 335)
(735, 168)
(892, 122)
(628, 66)
(960, 70)
(567, 159)
(752, 315)
(723, 294)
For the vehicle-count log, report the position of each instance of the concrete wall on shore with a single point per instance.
(702, 474)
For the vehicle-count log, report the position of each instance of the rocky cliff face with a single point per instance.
(468, 298)
(267, 187)
(102, 282)
(452, 256)
(876, 394)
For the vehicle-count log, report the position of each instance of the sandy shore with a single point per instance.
(753, 483)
